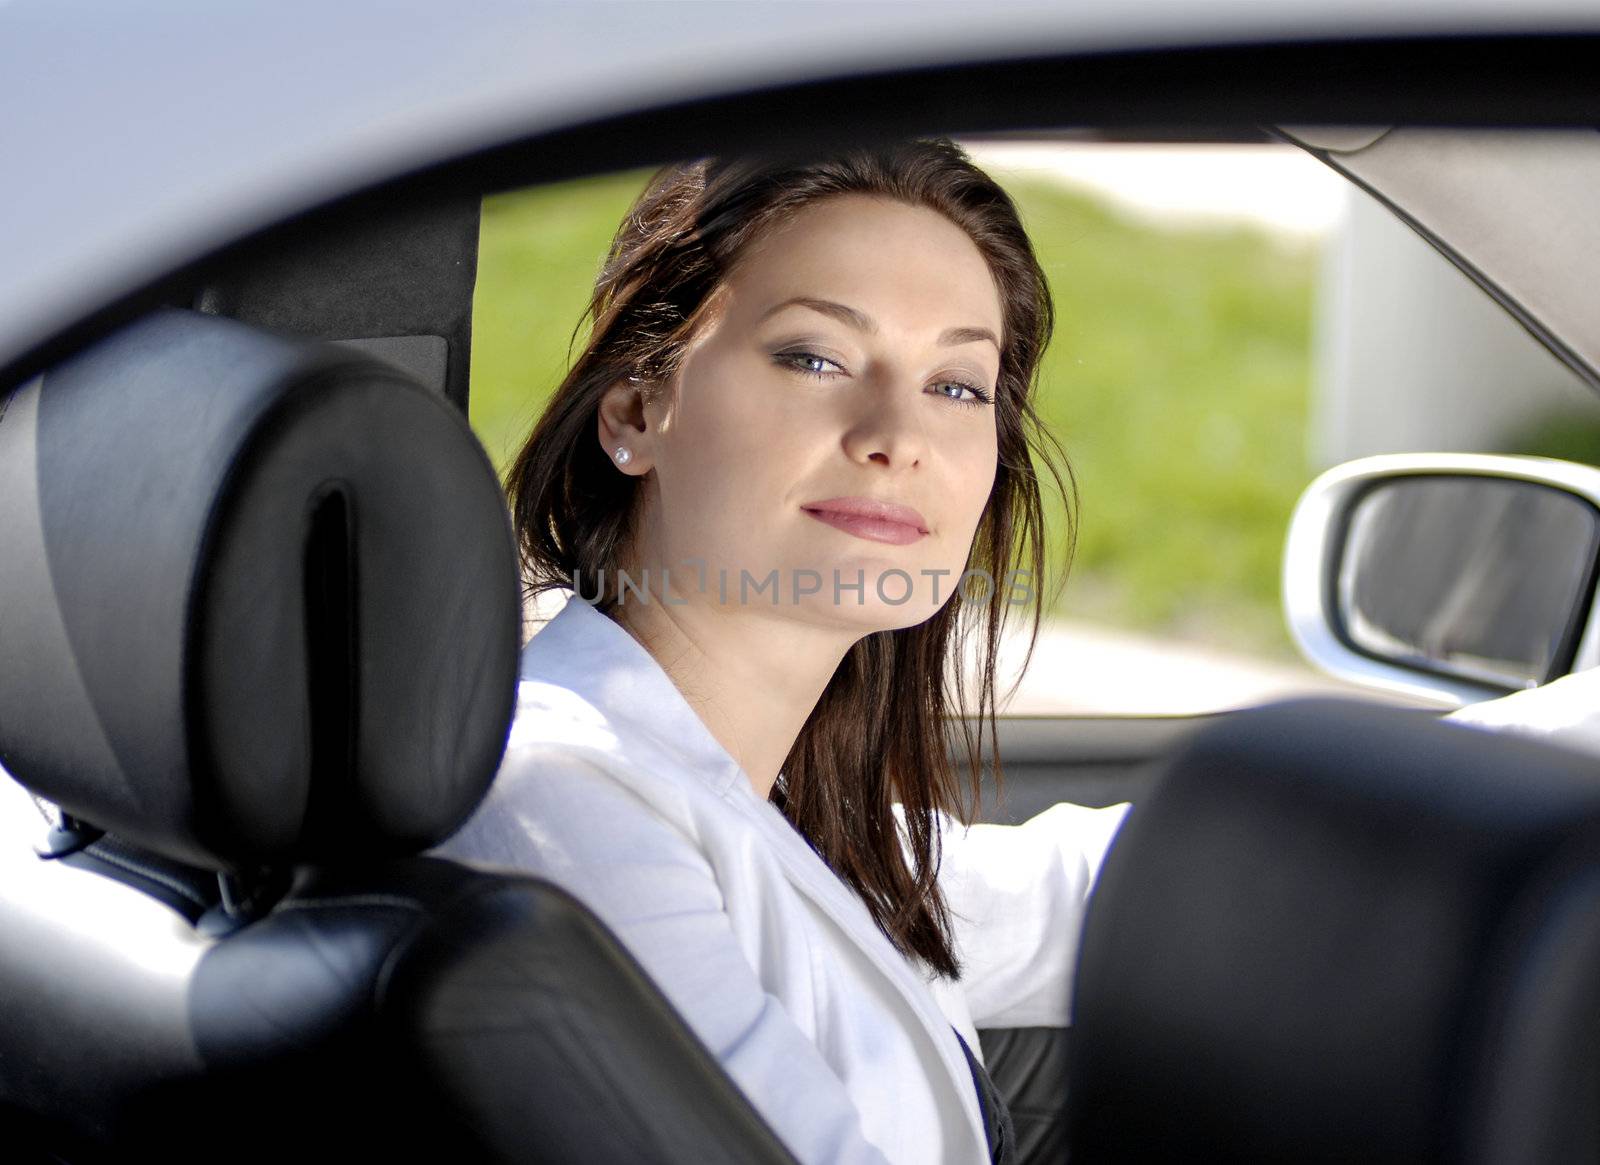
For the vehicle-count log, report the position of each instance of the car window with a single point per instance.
(1230, 320)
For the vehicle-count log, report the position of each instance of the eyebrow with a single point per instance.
(864, 323)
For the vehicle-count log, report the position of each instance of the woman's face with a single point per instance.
(851, 359)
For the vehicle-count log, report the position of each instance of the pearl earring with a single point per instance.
(622, 455)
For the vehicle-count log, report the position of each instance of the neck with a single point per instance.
(752, 677)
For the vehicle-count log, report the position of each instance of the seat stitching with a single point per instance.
(354, 900)
(153, 875)
(41, 804)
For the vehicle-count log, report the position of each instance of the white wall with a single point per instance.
(1412, 357)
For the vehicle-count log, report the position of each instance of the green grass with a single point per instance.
(1177, 383)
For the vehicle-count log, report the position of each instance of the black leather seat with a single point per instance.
(1343, 932)
(259, 615)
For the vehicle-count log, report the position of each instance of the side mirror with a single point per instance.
(1460, 577)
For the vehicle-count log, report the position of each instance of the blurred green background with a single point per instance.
(1177, 383)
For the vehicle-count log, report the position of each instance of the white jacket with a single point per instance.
(613, 788)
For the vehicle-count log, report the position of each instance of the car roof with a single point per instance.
(156, 134)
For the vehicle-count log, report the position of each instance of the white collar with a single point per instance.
(620, 683)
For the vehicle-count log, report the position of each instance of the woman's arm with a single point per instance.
(1565, 711)
(1017, 892)
(561, 818)
(1017, 895)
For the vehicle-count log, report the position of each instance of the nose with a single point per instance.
(889, 427)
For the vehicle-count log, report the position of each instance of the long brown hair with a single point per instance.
(878, 734)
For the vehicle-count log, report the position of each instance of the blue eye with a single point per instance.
(794, 361)
(789, 359)
(979, 398)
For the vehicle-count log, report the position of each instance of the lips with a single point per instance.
(877, 521)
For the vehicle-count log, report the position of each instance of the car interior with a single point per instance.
(261, 613)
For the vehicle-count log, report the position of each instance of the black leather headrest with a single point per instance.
(258, 597)
(1343, 932)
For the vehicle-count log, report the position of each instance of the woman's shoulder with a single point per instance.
(549, 714)
(577, 785)
(563, 751)
(558, 809)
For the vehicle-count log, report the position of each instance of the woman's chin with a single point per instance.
(872, 615)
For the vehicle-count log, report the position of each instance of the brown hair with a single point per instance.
(878, 733)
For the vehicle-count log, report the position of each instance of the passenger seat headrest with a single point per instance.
(259, 597)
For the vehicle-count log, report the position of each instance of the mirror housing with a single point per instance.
(1454, 577)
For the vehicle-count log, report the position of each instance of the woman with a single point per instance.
(793, 469)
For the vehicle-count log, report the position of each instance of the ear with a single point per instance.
(623, 424)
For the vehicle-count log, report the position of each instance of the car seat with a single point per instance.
(259, 612)
(1338, 931)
